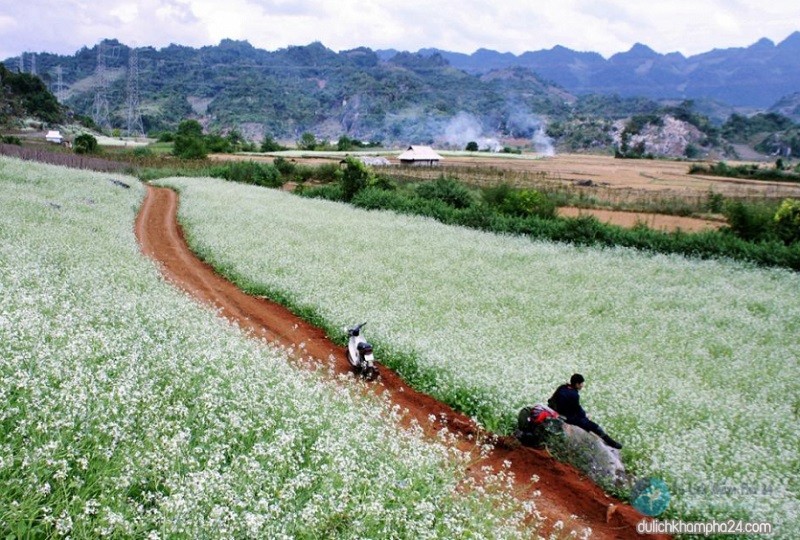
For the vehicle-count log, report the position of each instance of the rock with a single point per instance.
(584, 183)
(374, 161)
(591, 455)
(119, 183)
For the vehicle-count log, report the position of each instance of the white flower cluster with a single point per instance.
(127, 410)
(692, 364)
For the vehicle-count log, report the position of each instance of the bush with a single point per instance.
(284, 166)
(217, 144)
(85, 144)
(142, 151)
(331, 192)
(529, 202)
(787, 221)
(11, 139)
(303, 173)
(715, 202)
(447, 190)
(519, 202)
(327, 172)
(750, 222)
(385, 183)
(250, 172)
(187, 147)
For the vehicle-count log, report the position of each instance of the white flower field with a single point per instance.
(127, 410)
(693, 365)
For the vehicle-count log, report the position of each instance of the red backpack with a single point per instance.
(530, 417)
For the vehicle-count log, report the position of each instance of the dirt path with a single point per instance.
(563, 491)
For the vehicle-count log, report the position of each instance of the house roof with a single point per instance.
(419, 153)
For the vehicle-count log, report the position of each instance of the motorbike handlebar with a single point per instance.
(356, 329)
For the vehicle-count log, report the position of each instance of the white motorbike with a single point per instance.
(359, 353)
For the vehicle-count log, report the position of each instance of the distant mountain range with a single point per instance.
(756, 76)
(423, 97)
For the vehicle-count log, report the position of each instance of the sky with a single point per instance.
(603, 26)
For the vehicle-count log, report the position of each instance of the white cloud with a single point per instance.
(604, 26)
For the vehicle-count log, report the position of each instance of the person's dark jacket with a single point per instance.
(567, 402)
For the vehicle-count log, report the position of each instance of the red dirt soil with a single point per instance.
(563, 493)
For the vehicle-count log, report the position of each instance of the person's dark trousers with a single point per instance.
(588, 425)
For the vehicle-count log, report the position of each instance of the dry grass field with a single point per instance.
(603, 182)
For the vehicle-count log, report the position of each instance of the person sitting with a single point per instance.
(566, 402)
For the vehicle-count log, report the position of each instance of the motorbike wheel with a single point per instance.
(369, 373)
(350, 360)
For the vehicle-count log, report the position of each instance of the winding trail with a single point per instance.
(561, 493)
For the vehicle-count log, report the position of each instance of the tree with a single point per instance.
(190, 128)
(355, 177)
(344, 143)
(30, 93)
(270, 145)
(189, 147)
(236, 140)
(307, 141)
(85, 144)
(472, 146)
(189, 142)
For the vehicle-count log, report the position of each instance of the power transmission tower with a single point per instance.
(135, 127)
(100, 105)
(60, 93)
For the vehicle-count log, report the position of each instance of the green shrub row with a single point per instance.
(249, 172)
(751, 172)
(585, 230)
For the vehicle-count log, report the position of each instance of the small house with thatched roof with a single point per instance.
(419, 155)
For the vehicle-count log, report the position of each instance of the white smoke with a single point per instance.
(542, 143)
(530, 126)
(464, 128)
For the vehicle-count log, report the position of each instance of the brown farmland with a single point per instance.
(620, 191)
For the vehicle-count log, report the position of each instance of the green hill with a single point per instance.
(397, 99)
(290, 91)
(23, 94)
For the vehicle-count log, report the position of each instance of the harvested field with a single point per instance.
(659, 193)
(659, 222)
(596, 172)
